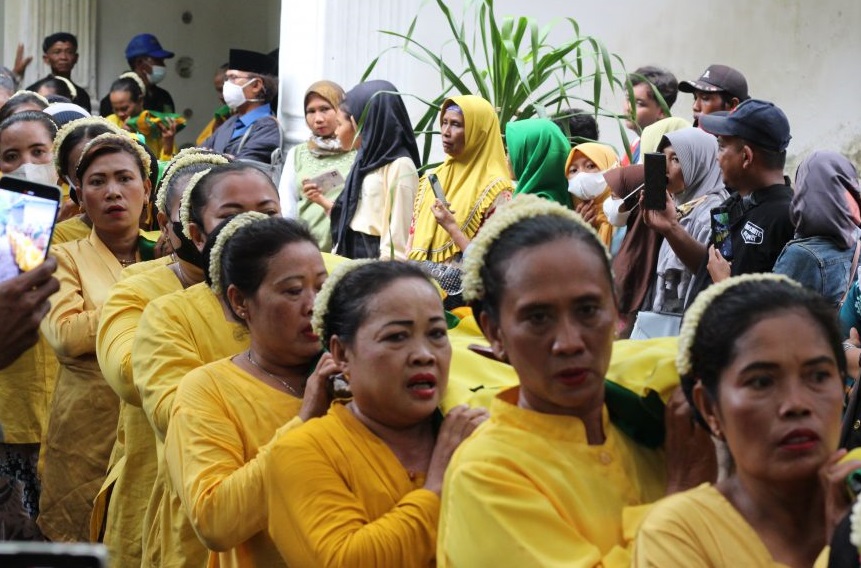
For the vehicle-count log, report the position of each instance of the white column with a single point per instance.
(335, 40)
(30, 21)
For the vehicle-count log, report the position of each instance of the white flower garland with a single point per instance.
(71, 126)
(238, 222)
(321, 302)
(855, 524)
(701, 304)
(520, 208)
(71, 86)
(183, 159)
(26, 92)
(185, 203)
(133, 144)
(136, 78)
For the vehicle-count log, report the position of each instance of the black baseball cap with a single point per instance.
(718, 78)
(759, 122)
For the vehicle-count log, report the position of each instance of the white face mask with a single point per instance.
(39, 173)
(587, 186)
(156, 74)
(612, 207)
(233, 94)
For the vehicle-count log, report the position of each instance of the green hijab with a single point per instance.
(538, 150)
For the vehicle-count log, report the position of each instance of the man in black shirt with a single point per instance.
(60, 53)
(752, 143)
(146, 58)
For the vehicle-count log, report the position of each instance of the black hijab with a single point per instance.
(387, 135)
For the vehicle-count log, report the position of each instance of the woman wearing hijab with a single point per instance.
(537, 150)
(695, 182)
(587, 162)
(826, 212)
(371, 217)
(301, 195)
(474, 177)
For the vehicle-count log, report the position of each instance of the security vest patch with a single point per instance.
(752, 234)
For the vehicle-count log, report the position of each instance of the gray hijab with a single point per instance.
(826, 189)
(697, 151)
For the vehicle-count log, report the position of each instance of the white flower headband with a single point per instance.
(702, 303)
(134, 77)
(520, 208)
(26, 92)
(241, 220)
(185, 158)
(185, 203)
(321, 302)
(133, 144)
(70, 127)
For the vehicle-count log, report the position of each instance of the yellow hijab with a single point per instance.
(471, 181)
(605, 158)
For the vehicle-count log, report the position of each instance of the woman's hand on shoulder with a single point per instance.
(316, 400)
(837, 499)
(459, 423)
(690, 452)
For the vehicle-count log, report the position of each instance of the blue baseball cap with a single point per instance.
(759, 122)
(146, 44)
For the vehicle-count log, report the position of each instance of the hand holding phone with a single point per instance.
(655, 190)
(28, 213)
(437, 188)
(721, 238)
(327, 181)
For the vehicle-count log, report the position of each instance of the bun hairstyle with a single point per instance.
(525, 222)
(342, 305)
(725, 311)
(239, 249)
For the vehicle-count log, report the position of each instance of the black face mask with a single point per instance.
(186, 251)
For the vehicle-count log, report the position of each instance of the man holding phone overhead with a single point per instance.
(752, 143)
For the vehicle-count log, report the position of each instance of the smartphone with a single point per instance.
(655, 190)
(328, 180)
(720, 231)
(437, 188)
(28, 213)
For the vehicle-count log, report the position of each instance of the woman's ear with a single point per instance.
(162, 221)
(237, 302)
(338, 349)
(707, 409)
(147, 189)
(197, 236)
(493, 334)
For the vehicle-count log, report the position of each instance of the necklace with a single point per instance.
(125, 263)
(281, 380)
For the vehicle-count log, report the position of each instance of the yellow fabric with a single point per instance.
(224, 423)
(176, 334)
(641, 366)
(700, 528)
(471, 182)
(605, 158)
(26, 388)
(84, 410)
(70, 230)
(338, 496)
(527, 490)
(127, 491)
(153, 141)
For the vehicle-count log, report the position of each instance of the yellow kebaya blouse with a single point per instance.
(84, 411)
(70, 230)
(177, 333)
(338, 496)
(701, 528)
(527, 490)
(224, 423)
(26, 389)
(127, 490)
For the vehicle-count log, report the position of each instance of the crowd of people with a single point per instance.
(345, 357)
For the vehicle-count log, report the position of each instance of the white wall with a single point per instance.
(802, 55)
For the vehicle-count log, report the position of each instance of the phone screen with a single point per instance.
(720, 231)
(27, 215)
